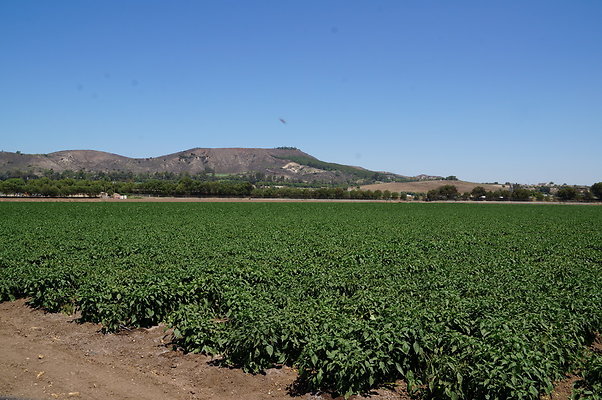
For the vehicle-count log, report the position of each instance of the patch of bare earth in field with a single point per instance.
(564, 388)
(50, 356)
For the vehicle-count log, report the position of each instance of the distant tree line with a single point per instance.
(126, 176)
(564, 193)
(183, 187)
(255, 177)
(72, 187)
(327, 193)
(187, 186)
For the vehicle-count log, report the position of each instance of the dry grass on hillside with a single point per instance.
(425, 186)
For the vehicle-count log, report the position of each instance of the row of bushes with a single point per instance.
(565, 193)
(70, 187)
(189, 187)
(183, 187)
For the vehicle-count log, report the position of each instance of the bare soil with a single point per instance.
(564, 388)
(51, 356)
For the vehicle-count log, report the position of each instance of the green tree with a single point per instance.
(521, 194)
(449, 192)
(478, 192)
(587, 196)
(12, 186)
(596, 190)
(567, 193)
(445, 192)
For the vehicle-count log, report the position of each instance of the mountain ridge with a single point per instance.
(285, 163)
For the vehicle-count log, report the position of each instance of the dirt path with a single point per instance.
(49, 356)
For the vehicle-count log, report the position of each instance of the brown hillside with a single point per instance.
(197, 160)
(425, 186)
(291, 164)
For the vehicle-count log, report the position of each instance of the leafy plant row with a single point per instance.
(460, 301)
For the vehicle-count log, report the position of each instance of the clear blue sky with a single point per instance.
(485, 90)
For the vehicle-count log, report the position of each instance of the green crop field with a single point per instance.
(461, 301)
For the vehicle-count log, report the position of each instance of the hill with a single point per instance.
(287, 163)
(425, 186)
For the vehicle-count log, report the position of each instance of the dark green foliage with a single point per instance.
(478, 192)
(183, 187)
(567, 193)
(461, 301)
(596, 190)
(68, 187)
(499, 195)
(520, 194)
(445, 192)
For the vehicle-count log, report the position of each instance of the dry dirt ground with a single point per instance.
(425, 186)
(50, 356)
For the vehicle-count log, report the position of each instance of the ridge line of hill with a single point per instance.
(284, 163)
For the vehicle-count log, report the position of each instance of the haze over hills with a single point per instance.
(286, 162)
